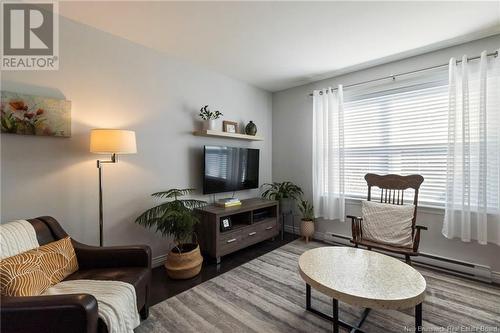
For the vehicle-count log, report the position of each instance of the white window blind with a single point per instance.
(401, 131)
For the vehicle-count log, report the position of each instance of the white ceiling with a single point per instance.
(277, 45)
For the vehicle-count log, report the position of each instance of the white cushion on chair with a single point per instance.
(387, 223)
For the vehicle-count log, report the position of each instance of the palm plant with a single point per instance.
(284, 190)
(175, 217)
(286, 193)
(307, 210)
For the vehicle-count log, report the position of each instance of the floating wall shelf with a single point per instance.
(220, 134)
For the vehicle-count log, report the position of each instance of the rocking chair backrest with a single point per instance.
(392, 189)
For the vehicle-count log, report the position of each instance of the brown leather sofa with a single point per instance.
(78, 312)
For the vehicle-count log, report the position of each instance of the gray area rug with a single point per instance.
(268, 295)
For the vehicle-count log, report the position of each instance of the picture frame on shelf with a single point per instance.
(226, 224)
(230, 126)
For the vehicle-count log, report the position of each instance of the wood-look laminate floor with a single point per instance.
(164, 287)
(267, 295)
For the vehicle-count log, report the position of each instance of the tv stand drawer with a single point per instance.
(252, 222)
(243, 237)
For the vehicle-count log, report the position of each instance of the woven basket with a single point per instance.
(185, 265)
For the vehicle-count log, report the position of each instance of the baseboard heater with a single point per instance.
(447, 265)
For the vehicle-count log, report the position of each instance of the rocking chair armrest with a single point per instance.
(416, 237)
(355, 227)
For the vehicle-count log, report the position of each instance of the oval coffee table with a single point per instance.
(361, 278)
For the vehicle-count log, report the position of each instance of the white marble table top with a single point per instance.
(362, 278)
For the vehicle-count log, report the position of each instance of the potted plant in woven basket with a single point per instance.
(307, 222)
(286, 193)
(176, 218)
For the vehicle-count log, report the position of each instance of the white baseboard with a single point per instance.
(495, 277)
(471, 270)
(159, 261)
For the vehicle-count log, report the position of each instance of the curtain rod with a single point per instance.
(393, 77)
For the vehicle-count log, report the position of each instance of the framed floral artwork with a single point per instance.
(35, 115)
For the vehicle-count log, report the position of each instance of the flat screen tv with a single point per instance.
(228, 169)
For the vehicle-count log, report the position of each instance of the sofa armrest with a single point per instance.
(112, 256)
(49, 314)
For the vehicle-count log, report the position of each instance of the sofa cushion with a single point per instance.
(387, 223)
(30, 273)
(58, 259)
(136, 276)
(22, 275)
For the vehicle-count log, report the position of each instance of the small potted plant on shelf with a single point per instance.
(307, 222)
(286, 193)
(209, 117)
(177, 218)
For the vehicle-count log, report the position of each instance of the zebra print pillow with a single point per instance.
(32, 272)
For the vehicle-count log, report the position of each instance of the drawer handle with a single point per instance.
(269, 228)
(231, 240)
(252, 233)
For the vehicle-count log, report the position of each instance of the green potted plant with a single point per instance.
(209, 117)
(307, 222)
(286, 193)
(176, 218)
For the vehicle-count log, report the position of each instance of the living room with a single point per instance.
(276, 121)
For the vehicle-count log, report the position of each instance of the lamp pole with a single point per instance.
(110, 141)
(99, 167)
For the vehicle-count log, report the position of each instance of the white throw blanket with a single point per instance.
(17, 237)
(116, 301)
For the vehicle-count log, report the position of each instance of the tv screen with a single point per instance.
(228, 169)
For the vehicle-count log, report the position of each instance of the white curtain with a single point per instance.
(473, 166)
(328, 154)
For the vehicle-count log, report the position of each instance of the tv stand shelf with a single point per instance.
(245, 231)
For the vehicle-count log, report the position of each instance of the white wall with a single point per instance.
(115, 83)
(292, 149)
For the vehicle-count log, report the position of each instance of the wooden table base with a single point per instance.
(353, 329)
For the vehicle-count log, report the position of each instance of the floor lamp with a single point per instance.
(114, 142)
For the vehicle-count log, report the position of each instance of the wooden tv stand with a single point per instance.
(246, 228)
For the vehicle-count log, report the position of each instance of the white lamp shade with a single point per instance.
(112, 141)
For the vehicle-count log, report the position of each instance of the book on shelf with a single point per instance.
(228, 202)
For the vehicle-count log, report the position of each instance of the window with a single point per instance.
(402, 131)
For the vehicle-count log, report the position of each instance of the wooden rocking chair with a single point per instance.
(392, 189)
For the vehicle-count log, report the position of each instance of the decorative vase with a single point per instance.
(251, 128)
(184, 265)
(209, 124)
(306, 229)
